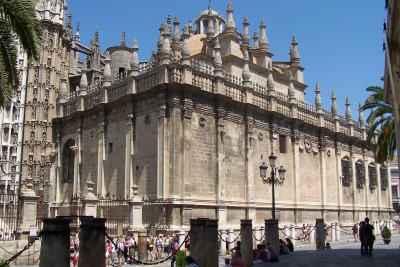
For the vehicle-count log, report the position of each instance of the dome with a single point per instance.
(201, 21)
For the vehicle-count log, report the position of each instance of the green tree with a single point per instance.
(18, 26)
(381, 121)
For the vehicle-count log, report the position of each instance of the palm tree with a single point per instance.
(381, 121)
(18, 26)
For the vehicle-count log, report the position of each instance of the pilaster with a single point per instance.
(220, 135)
(130, 138)
(101, 157)
(161, 147)
(187, 111)
(250, 145)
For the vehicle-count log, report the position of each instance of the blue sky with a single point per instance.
(340, 42)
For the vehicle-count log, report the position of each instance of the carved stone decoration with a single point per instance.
(252, 141)
(187, 113)
(260, 136)
(118, 127)
(222, 134)
(91, 133)
(308, 146)
(147, 119)
(202, 121)
(74, 148)
(328, 152)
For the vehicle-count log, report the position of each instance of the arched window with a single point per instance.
(384, 177)
(373, 181)
(360, 174)
(68, 162)
(346, 172)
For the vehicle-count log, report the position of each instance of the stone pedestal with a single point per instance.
(223, 242)
(320, 229)
(231, 244)
(272, 232)
(29, 207)
(55, 242)
(92, 242)
(90, 201)
(142, 246)
(311, 237)
(246, 248)
(204, 241)
(337, 231)
(135, 213)
(293, 233)
(181, 239)
(333, 232)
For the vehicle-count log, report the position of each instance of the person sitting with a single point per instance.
(236, 248)
(261, 255)
(283, 248)
(237, 260)
(227, 262)
(328, 246)
(289, 244)
(274, 252)
(190, 262)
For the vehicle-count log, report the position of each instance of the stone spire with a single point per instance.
(263, 37)
(107, 69)
(318, 102)
(348, 111)
(361, 117)
(210, 27)
(230, 26)
(270, 81)
(176, 37)
(246, 74)
(217, 59)
(134, 64)
(255, 39)
(161, 38)
(294, 52)
(190, 28)
(123, 40)
(291, 93)
(83, 84)
(185, 46)
(166, 45)
(69, 25)
(63, 87)
(246, 35)
(77, 34)
(334, 108)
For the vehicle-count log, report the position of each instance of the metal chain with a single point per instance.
(148, 263)
(21, 251)
(230, 242)
(8, 252)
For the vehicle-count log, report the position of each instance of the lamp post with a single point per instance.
(273, 179)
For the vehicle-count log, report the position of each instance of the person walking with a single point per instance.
(368, 237)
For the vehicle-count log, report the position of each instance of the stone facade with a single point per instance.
(194, 124)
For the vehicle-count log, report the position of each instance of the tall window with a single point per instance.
(346, 172)
(373, 181)
(395, 192)
(360, 175)
(282, 143)
(384, 178)
(68, 162)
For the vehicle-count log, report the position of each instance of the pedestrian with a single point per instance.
(361, 236)
(175, 248)
(368, 237)
(355, 232)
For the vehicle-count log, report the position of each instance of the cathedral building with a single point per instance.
(190, 127)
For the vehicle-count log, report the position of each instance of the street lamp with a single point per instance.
(272, 179)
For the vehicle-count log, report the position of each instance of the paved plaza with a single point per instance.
(344, 253)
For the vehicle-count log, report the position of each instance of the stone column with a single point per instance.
(101, 156)
(142, 246)
(293, 233)
(204, 241)
(337, 231)
(246, 247)
(90, 201)
(135, 210)
(311, 237)
(130, 138)
(320, 240)
(272, 232)
(223, 243)
(29, 206)
(296, 166)
(390, 225)
(333, 232)
(231, 244)
(92, 242)
(181, 239)
(55, 241)
(250, 143)
(161, 151)
(286, 231)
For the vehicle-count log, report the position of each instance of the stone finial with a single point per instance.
(134, 64)
(255, 39)
(230, 23)
(123, 40)
(246, 35)
(271, 84)
(246, 74)
(294, 52)
(166, 45)
(83, 84)
(334, 108)
(90, 195)
(63, 87)
(348, 111)
(318, 101)
(107, 70)
(176, 36)
(161, 38)
(361, 116)
(263, 44)
(185, 46)
(217, 59)
(291, 94)
(96, 37)
(210, 27)
(69, 24)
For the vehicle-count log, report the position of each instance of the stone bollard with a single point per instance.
(272, 232)
(204, 241)
(231, 244)
(337, 230)
(92, 242)
(320, 229)
(142, 246)
(262, 234)
(311, 237)
(55, 241)
(246, 247)
(181, 240)
(333, 232)
(390, 225)
(223, 243)
(286, 231)
(293, 234)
